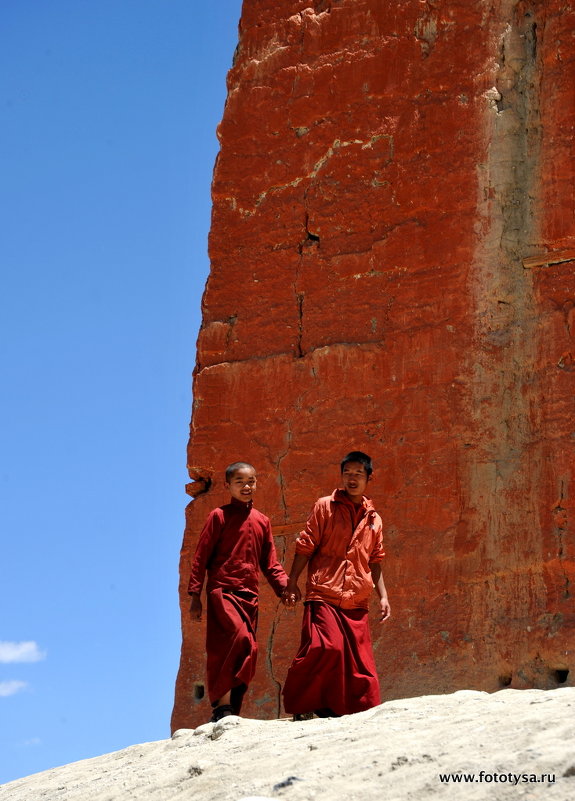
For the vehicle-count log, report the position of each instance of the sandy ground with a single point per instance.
(514, 744)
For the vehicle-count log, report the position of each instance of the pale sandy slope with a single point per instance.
(395, 751)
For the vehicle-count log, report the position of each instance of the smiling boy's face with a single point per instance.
(354, 478)
(242, 484)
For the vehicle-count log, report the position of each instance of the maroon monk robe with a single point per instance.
(334, 668)
(235, 543)
(231, 644)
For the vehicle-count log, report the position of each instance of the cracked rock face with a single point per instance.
(393, 270)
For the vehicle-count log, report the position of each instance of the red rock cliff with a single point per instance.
(393, 270)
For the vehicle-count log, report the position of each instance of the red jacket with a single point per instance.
(235, 543)
(342, 540)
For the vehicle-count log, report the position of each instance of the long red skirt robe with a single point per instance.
(334, 667)
(231, 644)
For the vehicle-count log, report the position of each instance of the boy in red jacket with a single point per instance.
(334, 670)
(235, 543)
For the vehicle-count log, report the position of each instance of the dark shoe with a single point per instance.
(302, 716)
(326, 712)
(221, 712)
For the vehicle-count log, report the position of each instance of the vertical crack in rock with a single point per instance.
(276, 459)
(310, 240)
(502, 475)
(281, 549)
(300, 298)
(561, 520)
(231, 321)
(269, 661)
(278, 466)
(567, 308)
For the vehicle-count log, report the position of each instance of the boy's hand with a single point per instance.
(291, 595)
(385, 609)
(196, 607)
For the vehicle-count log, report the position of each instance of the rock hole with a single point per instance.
(561, 675)
(530, 36)
(505, 680)
(198, 691)
(310, 237)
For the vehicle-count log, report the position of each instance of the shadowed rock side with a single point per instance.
(393, 270)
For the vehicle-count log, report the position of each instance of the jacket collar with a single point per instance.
(340, 496)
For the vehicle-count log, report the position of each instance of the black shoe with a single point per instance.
(326, 712)
(302, 716)
(221, 712)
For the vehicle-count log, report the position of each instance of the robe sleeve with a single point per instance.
(309, 539)
(204, 549)
(270, 567)
(377, 552)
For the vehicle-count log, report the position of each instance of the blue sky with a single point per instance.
(107, 145)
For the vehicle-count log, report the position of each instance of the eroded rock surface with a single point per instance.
(506, 745)
(393, 270)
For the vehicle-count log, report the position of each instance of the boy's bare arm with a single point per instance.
(291, 595)
(196, 606)
(379, 585)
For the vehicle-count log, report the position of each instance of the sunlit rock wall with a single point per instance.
(393, 270)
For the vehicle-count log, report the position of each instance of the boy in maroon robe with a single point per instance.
(334, 670)
(235, 543)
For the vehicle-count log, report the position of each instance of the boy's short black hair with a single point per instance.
(358, 456)
(234, 467)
